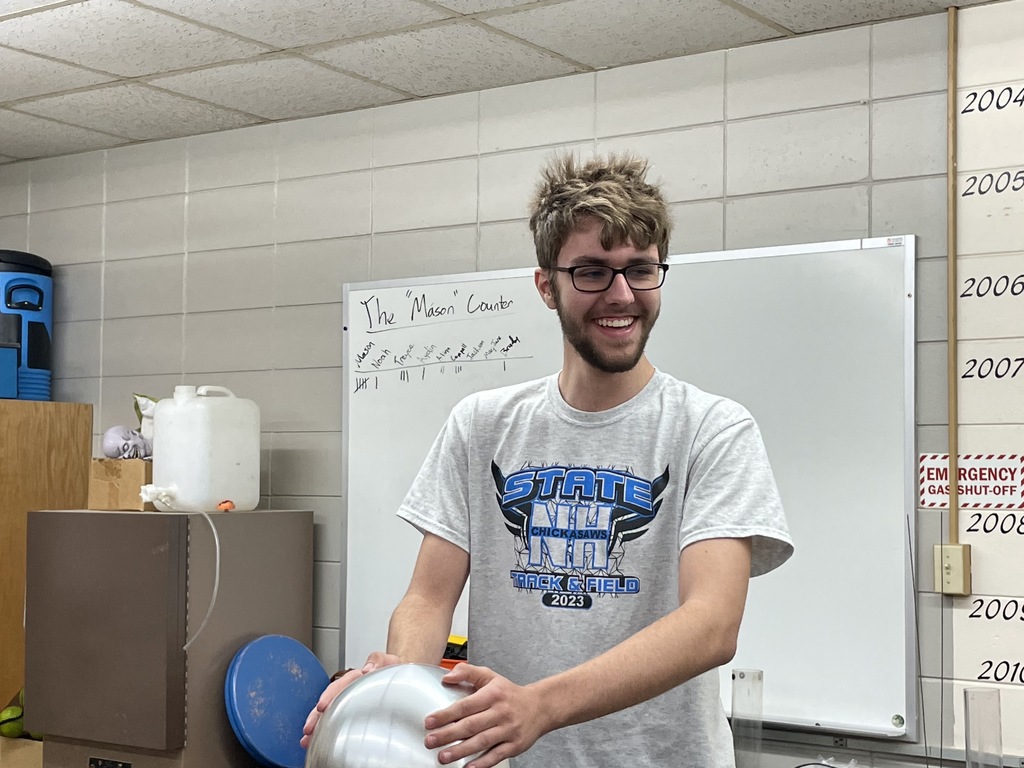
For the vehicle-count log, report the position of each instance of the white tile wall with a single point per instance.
(320, 145)
(305, 400)
(149, 227)
(236, 278)
(697, 227)
(146, 170)
(908, 56)
(803, 149)
(307, 336)
(931, 299)
(323, 207)
(412, 254)
(408, 196)
(67, 235)
(14, 233)
(505, 245)
(686, 161)
(78, 291)
(433, 129)
(66, 182)
(273, 220)
(799, 73)
(662, 94)
(140, 346)
(916, 206)
(232, 158)
(314, 272)
(235, 340)
(230, 218)
(507, 179)
(138, 287)
(76, 349)
(797, 217)
(306, 463)
(14, 188)
(551, 112)
(909, 137)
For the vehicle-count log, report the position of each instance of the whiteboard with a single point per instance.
(817, 341)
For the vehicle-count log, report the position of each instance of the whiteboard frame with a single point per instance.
(909, 729)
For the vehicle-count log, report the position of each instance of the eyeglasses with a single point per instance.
(595, 278)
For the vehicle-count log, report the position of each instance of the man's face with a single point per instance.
(608, 330)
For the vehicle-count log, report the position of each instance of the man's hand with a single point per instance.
(374, 661)
(500, 719)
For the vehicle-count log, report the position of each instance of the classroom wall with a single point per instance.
(219, 259)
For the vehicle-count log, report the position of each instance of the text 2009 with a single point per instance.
(1001, 182)
(982, 101)
(982, 368)
(1006, 608)
(980, 287)
(994, 522)
(1001, 671)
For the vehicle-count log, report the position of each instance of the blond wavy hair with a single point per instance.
(611, 189)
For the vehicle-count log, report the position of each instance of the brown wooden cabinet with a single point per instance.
(45, 450)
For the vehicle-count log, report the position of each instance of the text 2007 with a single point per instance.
(982, 368)
(1002, 671)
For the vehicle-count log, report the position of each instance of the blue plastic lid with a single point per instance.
(272, 684)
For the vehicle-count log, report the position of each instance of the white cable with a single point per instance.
(164, 496)
(216, 580)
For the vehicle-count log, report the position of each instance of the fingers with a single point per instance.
(379, 659)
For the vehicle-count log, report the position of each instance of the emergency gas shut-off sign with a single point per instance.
(987, 481)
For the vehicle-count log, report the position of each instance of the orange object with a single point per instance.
(226, 506)
(450, 664)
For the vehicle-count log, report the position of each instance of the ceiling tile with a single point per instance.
(605, 33)
(303, 22)
(26, 136)
(136, 111)
(459, 56)
(801, 16)
(476, 6)
(268, 88)
(156, 42)
(8, 7)
(26, 75)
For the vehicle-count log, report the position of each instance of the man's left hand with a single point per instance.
(499, 719)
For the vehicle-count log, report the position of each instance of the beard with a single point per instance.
(575, 332)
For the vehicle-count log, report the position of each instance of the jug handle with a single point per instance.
(204, 391)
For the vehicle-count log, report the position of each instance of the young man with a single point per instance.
(610, 515)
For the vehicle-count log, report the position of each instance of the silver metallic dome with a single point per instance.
(377, 722)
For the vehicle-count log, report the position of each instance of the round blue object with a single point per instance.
(272, 684)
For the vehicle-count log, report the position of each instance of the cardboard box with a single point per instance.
(114, 484)
(20, 753)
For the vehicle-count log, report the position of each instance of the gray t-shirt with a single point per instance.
(574, 522)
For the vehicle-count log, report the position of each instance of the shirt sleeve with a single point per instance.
(437, 502)
(731, 493)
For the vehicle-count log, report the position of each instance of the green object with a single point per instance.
(10, 722)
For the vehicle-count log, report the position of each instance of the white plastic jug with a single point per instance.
(206, 451)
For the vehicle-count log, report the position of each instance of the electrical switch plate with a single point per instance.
(953, 569)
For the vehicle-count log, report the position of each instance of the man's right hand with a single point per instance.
(376, 660)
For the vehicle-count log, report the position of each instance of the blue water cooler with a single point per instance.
(26, 326)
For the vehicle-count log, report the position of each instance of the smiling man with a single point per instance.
(610, 515)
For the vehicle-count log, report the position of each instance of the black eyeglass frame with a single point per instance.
(613, 273)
